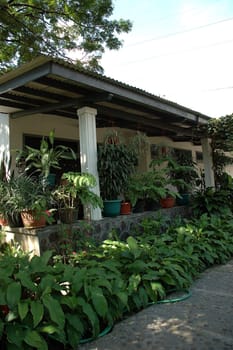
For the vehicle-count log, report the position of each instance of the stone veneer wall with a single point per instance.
(39, 240)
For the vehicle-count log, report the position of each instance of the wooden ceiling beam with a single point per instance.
(46, 108)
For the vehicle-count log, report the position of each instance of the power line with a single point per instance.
(180, 32)
(220, 88)
(178, 52)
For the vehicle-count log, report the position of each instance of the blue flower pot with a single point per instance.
(184, 200)
(112, 207)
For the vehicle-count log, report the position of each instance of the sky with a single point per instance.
(181, 50)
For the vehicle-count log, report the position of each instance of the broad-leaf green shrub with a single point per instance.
(138, 270)
(215, 238)
(212, 202)
(44, 304)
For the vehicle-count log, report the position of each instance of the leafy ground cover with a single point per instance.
(51, 302)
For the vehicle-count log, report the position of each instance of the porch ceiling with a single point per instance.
(54, 87)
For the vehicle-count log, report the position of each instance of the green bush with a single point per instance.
(44, 302)
(212, 202)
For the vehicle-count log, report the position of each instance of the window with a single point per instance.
(66, 165)
(199, 156)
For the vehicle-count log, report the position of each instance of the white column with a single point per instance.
(208, 162)
(88, 149)
(4, 137)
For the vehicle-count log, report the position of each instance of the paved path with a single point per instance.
(202, 322)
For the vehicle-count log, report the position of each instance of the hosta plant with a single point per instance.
(44, 305)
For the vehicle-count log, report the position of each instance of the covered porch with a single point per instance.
(81, 105)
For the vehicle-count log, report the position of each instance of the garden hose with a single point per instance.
(175, 300)
(187, 295)
(101, 334)
(164, 301)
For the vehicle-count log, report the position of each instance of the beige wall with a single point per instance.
(68, 129)
(165, 141)
(41, 125)
(229, 169)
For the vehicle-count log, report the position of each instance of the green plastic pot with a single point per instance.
(184, 200)
(112, 208)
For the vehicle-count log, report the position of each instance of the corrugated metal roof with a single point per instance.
(124, 85)
(53, 86)
(45, 59)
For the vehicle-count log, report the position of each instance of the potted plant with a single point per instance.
(75, 190)
(184, 176)
(140, 143)
(8, 217)
(144, 187)
(116, 162)
(168, 191)
(3, 189)
(168, 200)
(125, 207)
(3, 199)
(46, 158)
(31, 200)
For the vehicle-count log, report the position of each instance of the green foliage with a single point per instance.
(30, 28)
(75, 189)
(149, 184)
(183, 173)
(42, 303)
(220, 161)
(73, 244)
(157, 182)
(211, 201)
(220, 130)
(116, 162)
(178, 172)
(5, 185)
(24, 192)
(28, 193)
(47, 157)
(45, 303)
(4, 196)
(140, 143)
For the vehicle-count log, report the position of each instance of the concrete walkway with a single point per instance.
(202, 322)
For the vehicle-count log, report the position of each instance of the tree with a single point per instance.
(29, 28)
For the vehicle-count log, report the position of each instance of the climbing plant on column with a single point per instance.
(220, 131)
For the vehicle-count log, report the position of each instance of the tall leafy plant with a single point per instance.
(47, 157)
(210, 201)
(116, 162)
(75, 189)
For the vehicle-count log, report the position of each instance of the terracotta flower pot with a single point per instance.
(31, 220)
(167, 202)
(3, 221)
(125, 208)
